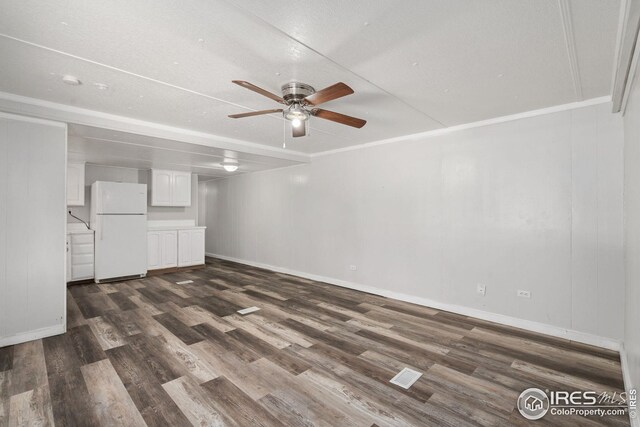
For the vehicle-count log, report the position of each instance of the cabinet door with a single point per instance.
(181, 189)
(75, 184)
(153, 250)
(169, 249)
(197, 247)
(184, 248)
(161, 187)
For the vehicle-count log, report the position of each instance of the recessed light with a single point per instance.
(366, 24)
(63, 23)
(277, 74)
(230, 165)
(175, 62)
(141, 96)
(101, 86)
(415, 64)
(200, 40)
(500, 75)
(71, 80)
(446, 91)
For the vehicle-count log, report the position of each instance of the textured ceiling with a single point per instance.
(414, 65)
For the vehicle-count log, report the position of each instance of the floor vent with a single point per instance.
(248, 310)
(184, 282)
(406, 378)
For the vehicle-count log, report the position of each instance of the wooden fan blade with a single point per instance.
(338, 118)
(256, 89)
(300, 130)
(255, 113)
(327, 94)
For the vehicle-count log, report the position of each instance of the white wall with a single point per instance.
(202, 204)
(95, 173)
(632, 232)
(32, 228)
(532, 204)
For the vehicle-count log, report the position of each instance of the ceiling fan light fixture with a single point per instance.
(230, 166)
(296, 115)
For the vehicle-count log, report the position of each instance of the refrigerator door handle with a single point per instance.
(100, 226)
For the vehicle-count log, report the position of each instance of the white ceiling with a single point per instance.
(414, 65)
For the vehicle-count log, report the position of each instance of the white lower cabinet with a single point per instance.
(80, 248)
(190, 247)
(162, 249)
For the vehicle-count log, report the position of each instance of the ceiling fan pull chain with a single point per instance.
(284, 134)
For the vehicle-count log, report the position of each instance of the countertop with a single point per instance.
(175, 227)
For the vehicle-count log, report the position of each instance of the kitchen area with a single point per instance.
(126, 222)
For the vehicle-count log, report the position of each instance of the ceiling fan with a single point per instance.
(300, 100)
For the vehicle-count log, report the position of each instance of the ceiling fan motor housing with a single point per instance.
(295, 92)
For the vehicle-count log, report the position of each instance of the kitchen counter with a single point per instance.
(170, 225)
(175, 227)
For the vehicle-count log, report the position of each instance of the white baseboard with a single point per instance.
(32, 335)
(626, 377)
(543, 328)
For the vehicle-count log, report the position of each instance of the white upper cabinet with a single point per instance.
(181, 188)
(161, 184)
(75, 184)
(170, 188)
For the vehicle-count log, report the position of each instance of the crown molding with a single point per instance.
(38, 108)
(32, 120)
(626, 52)
(451, 129)
(570, 43)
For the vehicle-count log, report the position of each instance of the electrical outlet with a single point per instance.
(524, 294)
(482, 289)
(353, 268)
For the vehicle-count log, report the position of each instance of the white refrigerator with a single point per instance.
(119, 219)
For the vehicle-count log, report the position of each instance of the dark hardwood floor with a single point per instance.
(153, 352)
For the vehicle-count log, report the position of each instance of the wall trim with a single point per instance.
(38, 109)
(543, 328)
(626, 377)
(33, 335)
(32, 119)
(570, 43)
(630, 79)
(450, 129)
(34, 107)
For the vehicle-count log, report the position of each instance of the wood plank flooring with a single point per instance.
(151, 352)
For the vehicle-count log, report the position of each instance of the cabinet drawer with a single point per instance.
(85, 248)
(81, 238)
(81, 259)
